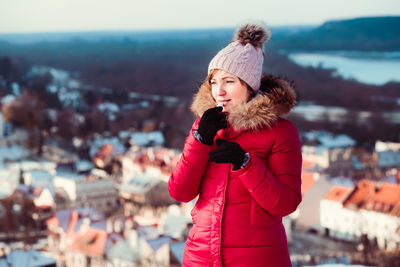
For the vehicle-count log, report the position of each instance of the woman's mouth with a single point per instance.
(223, 102)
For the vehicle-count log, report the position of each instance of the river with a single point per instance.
(375, 68)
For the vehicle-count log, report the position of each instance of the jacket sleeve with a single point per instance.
(277, 186)
(184, 182)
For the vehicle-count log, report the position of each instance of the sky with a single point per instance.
(22, 16)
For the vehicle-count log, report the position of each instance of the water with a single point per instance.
(367, 67)
(312, 112)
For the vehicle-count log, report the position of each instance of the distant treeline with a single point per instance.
(361, 34)
(176, 67)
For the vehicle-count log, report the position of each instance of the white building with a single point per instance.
(338, 221)
(370, 210)
(332, 153)
(98, 193)
(40, 178)
(147, 139)
(145, 195)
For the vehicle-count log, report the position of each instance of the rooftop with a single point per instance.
(338, 193)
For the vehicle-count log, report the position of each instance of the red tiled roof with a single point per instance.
(386, 199)
(338, 193)
(307, 165)
(52, 221)
(307, 180)
(376, 196)
(104, 151)
(362, 192)
(91, 242)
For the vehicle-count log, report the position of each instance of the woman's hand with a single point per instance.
(229, 152)
(211, 121)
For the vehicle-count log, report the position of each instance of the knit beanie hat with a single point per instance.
(244, 56)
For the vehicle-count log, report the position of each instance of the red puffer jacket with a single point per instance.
(237, 219)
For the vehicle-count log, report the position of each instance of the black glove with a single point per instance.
(228, 152)
(211, 121)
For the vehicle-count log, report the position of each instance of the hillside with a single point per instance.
(174, 64)
(362, 34)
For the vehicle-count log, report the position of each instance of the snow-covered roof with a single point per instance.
(8, 182)
(83, 165)
(118, 147)
(340, 140)
(14, 152)
(123, 250)
(39, 174)
(175, 225)
(327, 140)
(139, 184)
(341, 180)
(177, 250)
(70, 175)
(149, 138)
(108, 107)
(388, 158)
(385, 146)
(69, 98)
(32, 258)
(64, 218)
(7, 99)
(157, 243)
(90, 213)
(357, 165)
(147, 231)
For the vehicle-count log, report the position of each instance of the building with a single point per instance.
(88, 191)
(83, 237)
(155, 252)
(388, 157)
(368, 211)
(331, 153)
(314, 187)
(24, 212)
(335, 219)
(64, 223)
(143, 194)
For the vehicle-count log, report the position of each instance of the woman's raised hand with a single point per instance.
(211, 121)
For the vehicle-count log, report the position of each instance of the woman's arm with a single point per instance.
(184, 182)
(277, 186)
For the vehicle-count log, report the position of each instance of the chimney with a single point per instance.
(109, 226)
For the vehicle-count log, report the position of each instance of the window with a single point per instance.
(16, 208)
(2, 211)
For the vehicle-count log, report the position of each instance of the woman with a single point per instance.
(241, 159)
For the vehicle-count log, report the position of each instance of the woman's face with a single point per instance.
(228, 89)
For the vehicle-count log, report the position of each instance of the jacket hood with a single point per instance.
(275, 98)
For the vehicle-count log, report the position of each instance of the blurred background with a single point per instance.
(95, 99)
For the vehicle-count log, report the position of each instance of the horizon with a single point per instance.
(162, 30)
(48, 16)
(151, 30)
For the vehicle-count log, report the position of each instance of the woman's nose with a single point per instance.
(221, 90)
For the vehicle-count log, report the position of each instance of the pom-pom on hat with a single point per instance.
(244, 57)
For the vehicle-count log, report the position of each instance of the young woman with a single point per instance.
(242, 160)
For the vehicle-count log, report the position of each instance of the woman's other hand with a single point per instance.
(229, 152)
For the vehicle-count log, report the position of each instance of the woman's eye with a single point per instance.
(230, 81)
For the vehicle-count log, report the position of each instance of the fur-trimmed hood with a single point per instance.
(275, 98)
